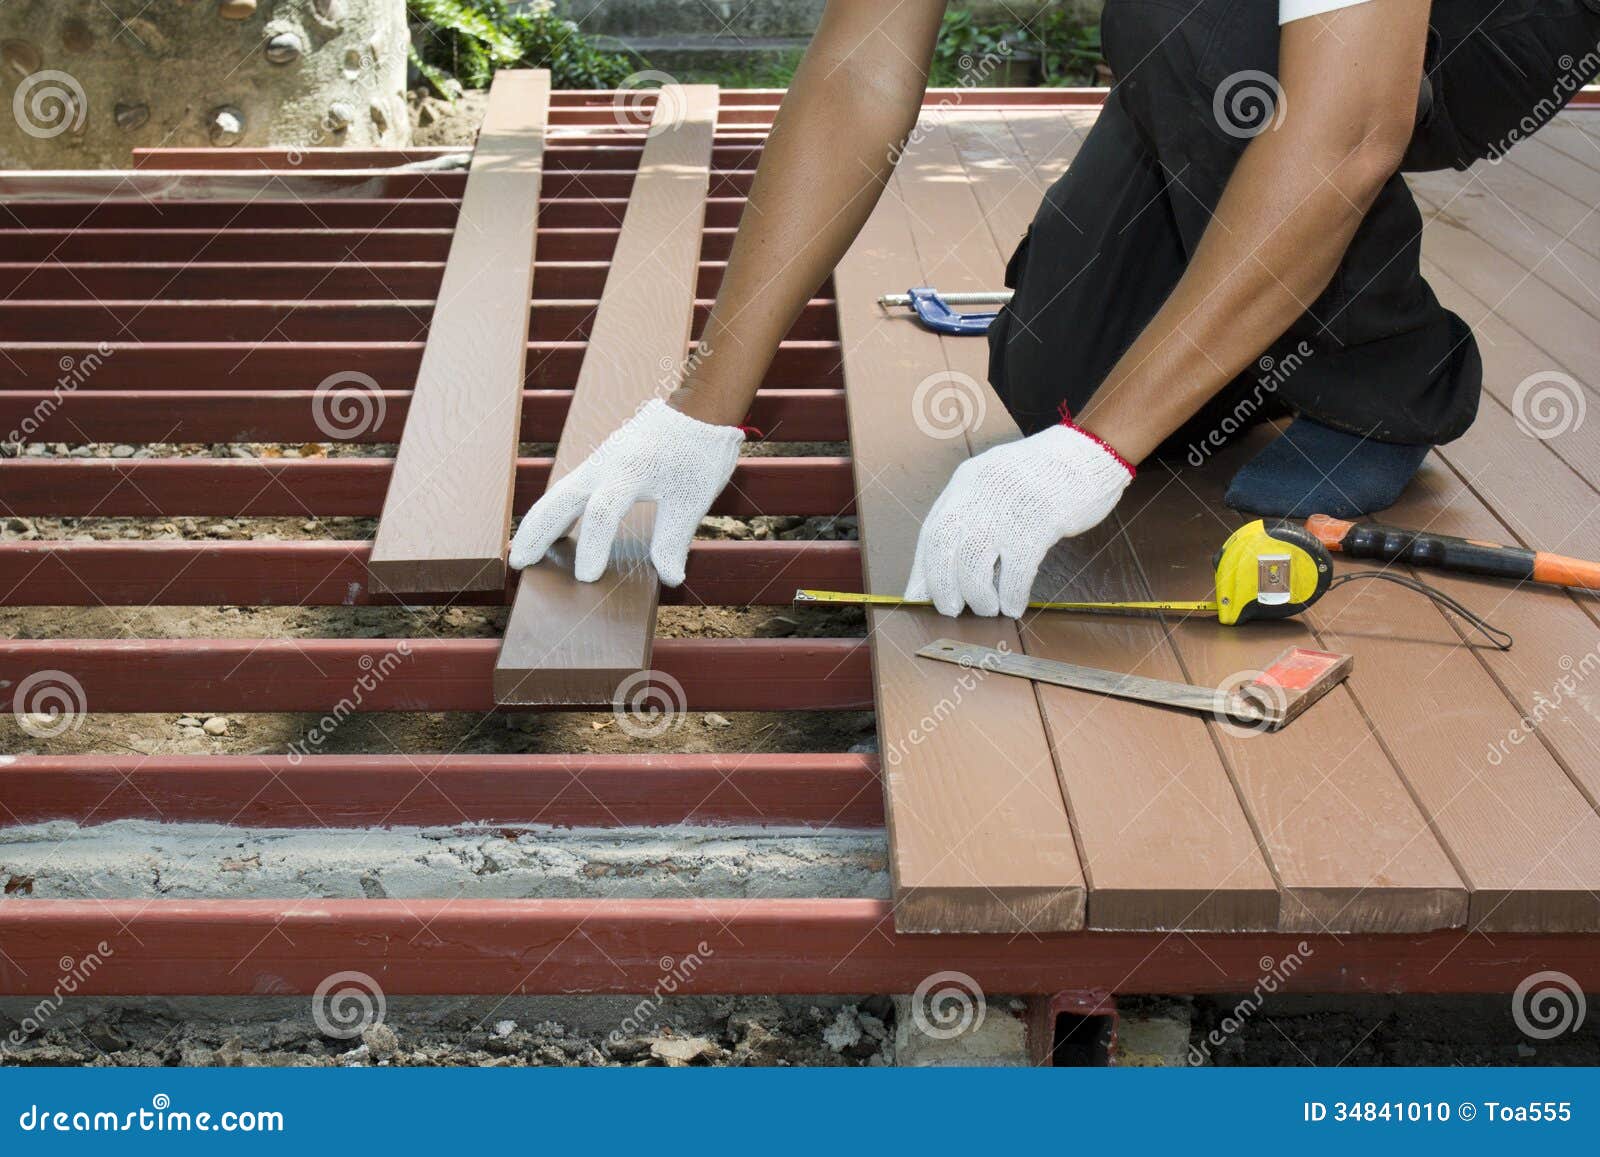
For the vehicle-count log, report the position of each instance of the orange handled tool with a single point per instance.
(1444, 552)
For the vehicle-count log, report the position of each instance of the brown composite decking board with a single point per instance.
(445, 520)
(1575, 133)
(1351, 848)
(979, 836)
(572, 642)
(1477, 202)
(1162, 837)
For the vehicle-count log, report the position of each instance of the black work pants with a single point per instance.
(1375, 354)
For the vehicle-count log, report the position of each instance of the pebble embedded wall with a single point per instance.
(85, 81)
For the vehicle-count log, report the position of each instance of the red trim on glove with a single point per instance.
(751, 433)
(1066, 420)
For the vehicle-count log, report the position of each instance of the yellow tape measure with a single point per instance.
(1262, 572)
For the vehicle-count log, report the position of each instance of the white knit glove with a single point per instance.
(1006, 508)
(659, 455)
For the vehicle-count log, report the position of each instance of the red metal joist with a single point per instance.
(249, 947)
(316, 675)
(333, 573)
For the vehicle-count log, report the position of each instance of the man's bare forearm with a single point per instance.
(1282, 226)
(854, 99)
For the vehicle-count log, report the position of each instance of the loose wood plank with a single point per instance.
(445, 520)
(979, 835)
(1163, 839)
(572, 642)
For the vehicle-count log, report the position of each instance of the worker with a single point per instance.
(1238, 199)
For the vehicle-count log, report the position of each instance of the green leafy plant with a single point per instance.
(1069, 50)
(967, 47)
(457, 43)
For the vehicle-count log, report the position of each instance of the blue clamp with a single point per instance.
(940, 318)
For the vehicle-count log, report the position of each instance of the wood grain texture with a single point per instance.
(571, 642)
(979, 836)
(1352, 850)
(1161, 834)
(446, 517)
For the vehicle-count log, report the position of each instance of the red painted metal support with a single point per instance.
(332, 573)
(320, 675)
(254, 487)
(570, 790)
(243, 947)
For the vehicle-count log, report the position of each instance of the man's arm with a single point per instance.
(1349, 81)
(853, 101)
(851, 105)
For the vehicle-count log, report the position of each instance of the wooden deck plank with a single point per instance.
(572, 642)
(1577, 134)
(445, 519)
(1162, 837)
(1525, 839)
(1351, 849)
(1475, 202)
(979, 836)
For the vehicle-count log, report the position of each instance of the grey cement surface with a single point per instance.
(138, 859)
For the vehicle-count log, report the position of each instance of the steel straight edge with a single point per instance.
(281, 947)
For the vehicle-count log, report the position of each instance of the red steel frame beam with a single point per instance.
(315, 320)
(602, 791)
(333, 574)
(241, 487)
(293, 415)
(111, 365)
(317, 675)
(246, 947)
